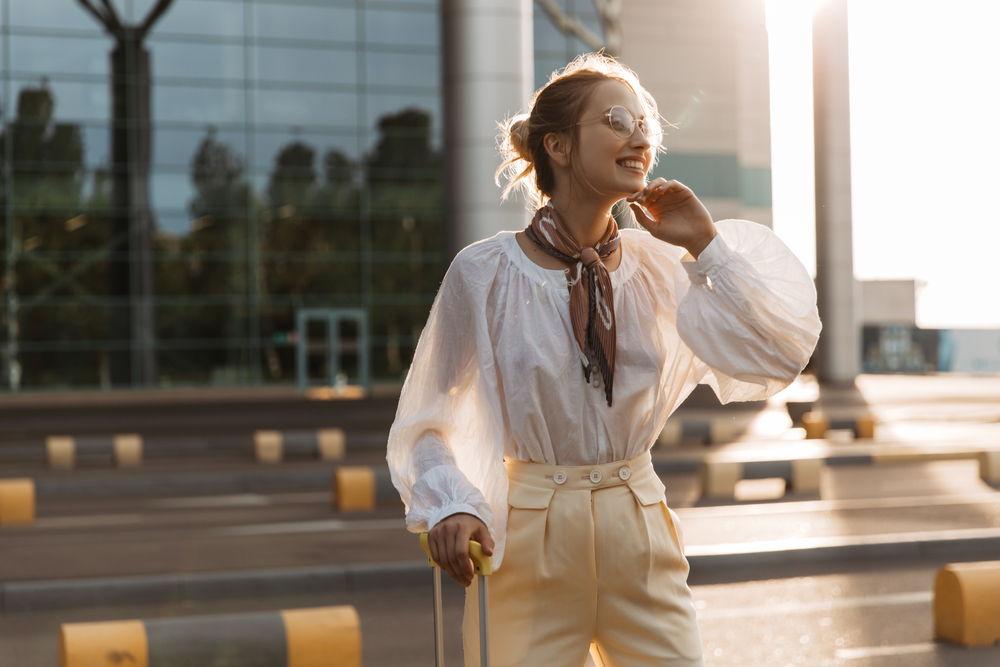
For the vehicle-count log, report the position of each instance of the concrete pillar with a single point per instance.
(488, 72)
(838, 352)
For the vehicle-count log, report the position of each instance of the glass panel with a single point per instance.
(61, 55)
(220, 366)
(51, 14)
(306, 276)
(380, 106)
(196, 61)
(403, 69)
(305, 22)
(52, 369)
(170, 189)
(302, 107)
(65, 322)
(204, 17)
(402, 27)
(202, 322)
(306, 65)
(204, 268)
(269, 145)
(178, 147)
(73, 100)
(199, 104)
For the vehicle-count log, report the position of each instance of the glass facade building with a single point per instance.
(180, 179)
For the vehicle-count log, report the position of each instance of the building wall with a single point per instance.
(295, 162)
(705, 62)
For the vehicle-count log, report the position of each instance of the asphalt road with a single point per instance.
(851, 614)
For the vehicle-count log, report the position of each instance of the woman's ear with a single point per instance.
(557, 146)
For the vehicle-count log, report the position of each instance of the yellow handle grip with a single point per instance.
(480, 561)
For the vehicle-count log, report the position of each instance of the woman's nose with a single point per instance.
(639, 139)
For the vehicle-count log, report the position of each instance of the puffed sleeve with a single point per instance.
(445, 448)
(747, 309)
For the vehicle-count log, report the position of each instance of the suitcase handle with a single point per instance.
(480, 561)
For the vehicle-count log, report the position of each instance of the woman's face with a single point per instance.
(604, 164)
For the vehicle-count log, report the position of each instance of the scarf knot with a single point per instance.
(589, 257)
(591, 300)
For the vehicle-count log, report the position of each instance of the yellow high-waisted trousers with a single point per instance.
(594, 566)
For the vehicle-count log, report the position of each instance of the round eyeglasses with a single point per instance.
(623, 124)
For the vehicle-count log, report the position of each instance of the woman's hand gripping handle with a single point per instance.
(448, 546)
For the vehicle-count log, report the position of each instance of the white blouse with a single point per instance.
(497, 372)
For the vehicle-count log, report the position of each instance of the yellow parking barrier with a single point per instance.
(989, 467)
(107, 644)
(816, 425)
(328, 444)
(806, 475)
(967, 603)
(128, 450)
(290, 638)
(719, 478)
(268, 446)
(60, 451)
(314, 635)
(331, 444)
(865, 427)
(354, 488)
(672, 433)
(17, 502)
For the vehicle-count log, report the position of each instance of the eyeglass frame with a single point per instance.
(635, 122)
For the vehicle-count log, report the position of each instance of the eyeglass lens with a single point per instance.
(624, 125)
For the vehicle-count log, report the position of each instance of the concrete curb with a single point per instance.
(167, 446)
(256, 481)
(173, 588)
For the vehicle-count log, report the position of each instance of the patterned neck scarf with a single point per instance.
(591, 302)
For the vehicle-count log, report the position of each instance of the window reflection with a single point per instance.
(193, 60)
(286, 20)
(65, 55)
(310, 65)
(276, 176)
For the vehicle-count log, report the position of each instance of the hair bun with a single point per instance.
(519, 138)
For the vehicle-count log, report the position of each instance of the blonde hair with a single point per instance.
(557, 107)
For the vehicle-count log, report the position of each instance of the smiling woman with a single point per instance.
(551, 360)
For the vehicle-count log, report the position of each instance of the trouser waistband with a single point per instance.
(580, 477)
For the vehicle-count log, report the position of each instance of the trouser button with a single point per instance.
(595, 475)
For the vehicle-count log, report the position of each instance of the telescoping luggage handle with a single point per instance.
(483, 567)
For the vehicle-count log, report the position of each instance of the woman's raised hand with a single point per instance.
(449, 543)
(679, 217)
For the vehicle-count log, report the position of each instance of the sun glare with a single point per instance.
(924, 141)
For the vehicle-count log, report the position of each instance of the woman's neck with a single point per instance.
(587, 220)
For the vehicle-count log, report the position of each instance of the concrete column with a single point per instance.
(838, 351)
(488, 72)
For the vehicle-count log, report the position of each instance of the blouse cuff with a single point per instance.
(713, 257)
(441, 492)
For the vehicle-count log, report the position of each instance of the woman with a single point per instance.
(550, 362)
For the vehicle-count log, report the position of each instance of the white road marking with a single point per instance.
(874, 651)
(834, 505)
(199, 502)
(797, 543)
(919, 597)
(325, 526)
(87, 521)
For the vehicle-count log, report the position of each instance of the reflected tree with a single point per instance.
(56, 250)
(201, 263)
(131, 274)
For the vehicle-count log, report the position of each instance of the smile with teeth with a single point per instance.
(632, 164)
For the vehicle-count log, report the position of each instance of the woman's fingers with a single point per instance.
(641, 217)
